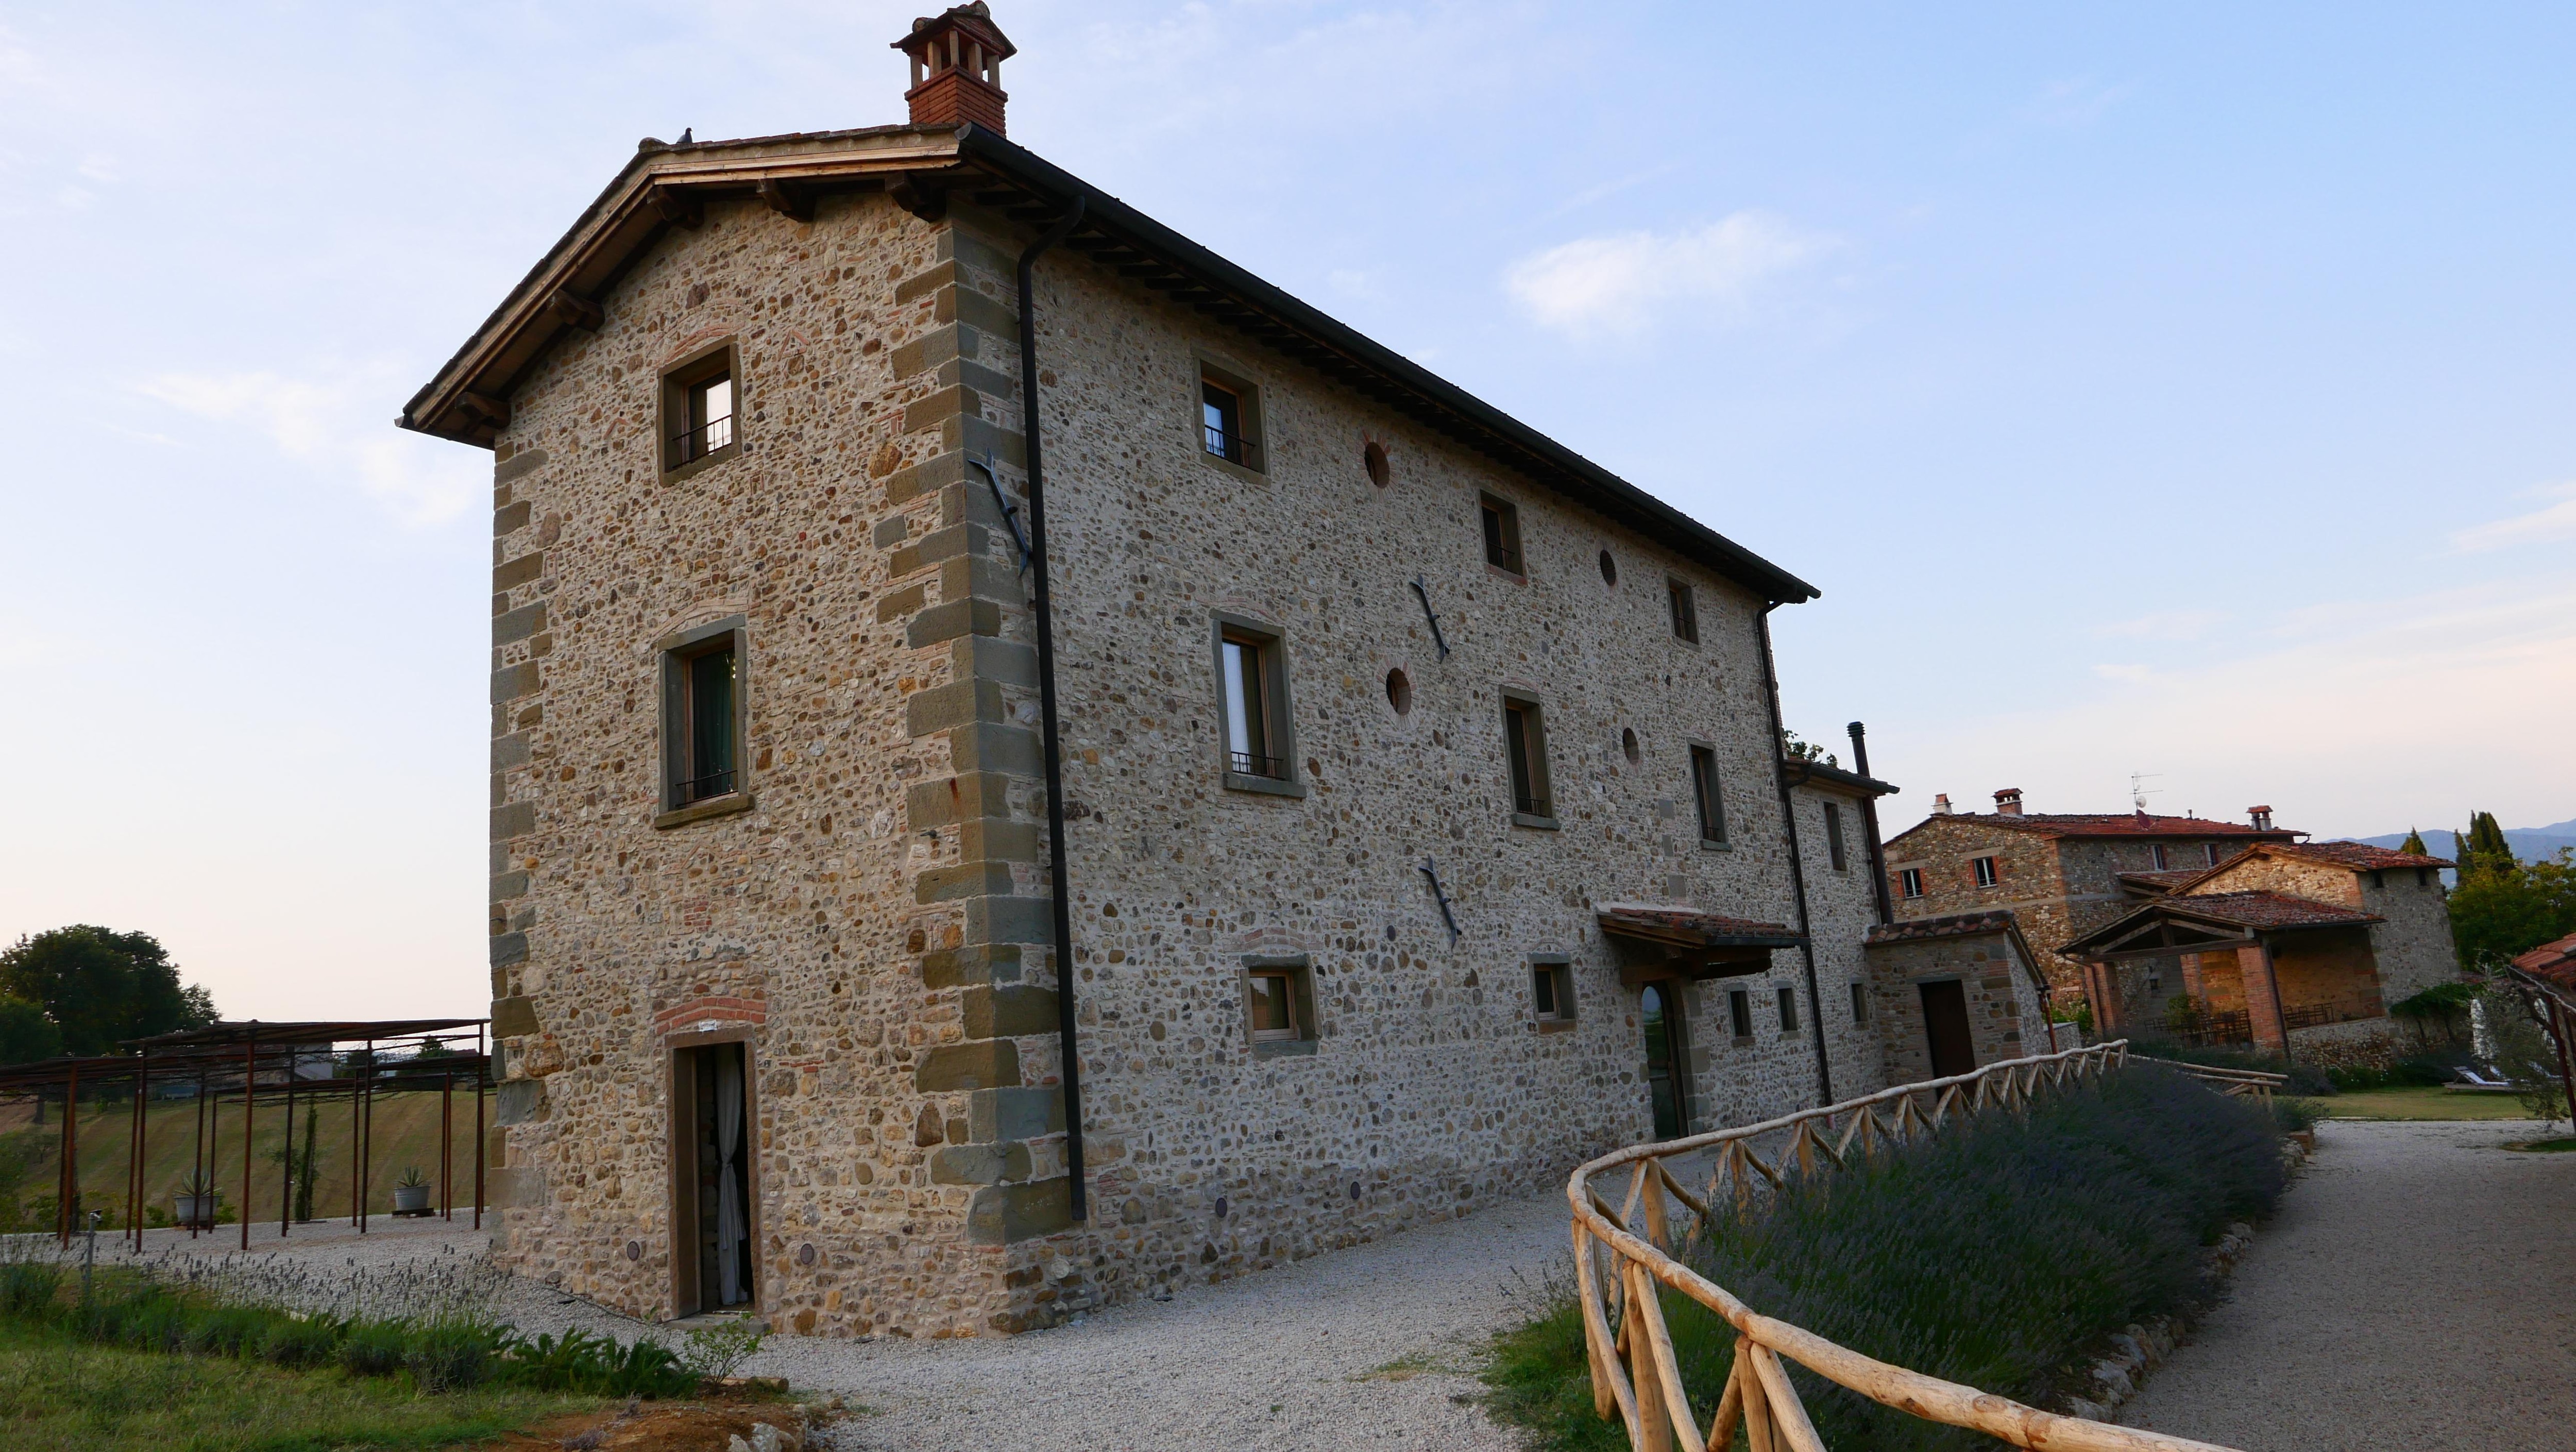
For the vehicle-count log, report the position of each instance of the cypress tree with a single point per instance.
(2414, 843)
(2486, 840)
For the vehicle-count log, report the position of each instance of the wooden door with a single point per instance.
(1659, 1011)
(1945, 1027)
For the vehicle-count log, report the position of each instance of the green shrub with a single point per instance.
(2292, 1115)
(454, 1353)
(312, 1341)
(1990, 1254)
(375, 1348)
(28, 1288)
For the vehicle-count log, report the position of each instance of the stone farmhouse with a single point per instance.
(2299, 947)
(954, 863)
(2059, 874)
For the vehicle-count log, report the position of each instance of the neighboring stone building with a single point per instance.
(1952, 994)
(2290, 946)
(1421, 809)
(2060, 874)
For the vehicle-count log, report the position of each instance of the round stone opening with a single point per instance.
(1399, 692)
(1609, 569)
(1374, 457)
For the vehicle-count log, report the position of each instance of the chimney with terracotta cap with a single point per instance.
(2008, 801)
(957, 68)
(1941, 804)
(2262, 817)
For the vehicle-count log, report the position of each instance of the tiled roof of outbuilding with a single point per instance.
(2359, 856)
(2268, 910)
(2107, 824)
(2555, 962)
(1956, 925)
(2163, 882)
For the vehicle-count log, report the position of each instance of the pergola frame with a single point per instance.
(227, 1059)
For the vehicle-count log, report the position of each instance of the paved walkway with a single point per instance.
(2417, 1290)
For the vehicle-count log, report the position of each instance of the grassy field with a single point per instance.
(2419, 1104)
(58, 1395)
(405, 1135)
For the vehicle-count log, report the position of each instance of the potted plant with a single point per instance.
(193, 1203)
(411, 1192)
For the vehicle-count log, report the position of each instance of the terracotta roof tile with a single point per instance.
(2268, 909)
(2165, 881)
(1956, 925)
(2360, 856)
(2112, 824)
(2554, 962)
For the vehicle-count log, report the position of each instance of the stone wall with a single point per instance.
(872, 920)
(2005, 1015)
(2029, 882)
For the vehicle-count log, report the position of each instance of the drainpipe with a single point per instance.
(1797, 864)
(1057, 887)
(1869, 823)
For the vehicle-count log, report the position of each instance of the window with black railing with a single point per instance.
(704, 767)
(1525, 744)
(699, 414)
(1502, 534)
(1225, 424)
(1255, 737)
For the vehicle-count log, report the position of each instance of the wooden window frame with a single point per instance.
(1739, 1014)
(2157, 855)
(673, 655)
(1279, 716)
(1498, 532)
(1837, 856)
(1909, 882)
(2209, 853)
(1860, 1002)
(1985, 871)
(1552, 995)
(1526, 766)
(681, 383)
(1249, 456)
(1301, 1036)
(1708, 797)
(1683, 601)
(1788, 999)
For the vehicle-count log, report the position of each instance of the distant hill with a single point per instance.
(2527, 842)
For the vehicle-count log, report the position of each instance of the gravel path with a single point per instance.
(2418, 1289)
(1372, 1347)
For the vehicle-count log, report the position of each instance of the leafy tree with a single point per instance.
(2525, 1053)
(2506, 908)
(1797, 749)
(101, 987)
(2483, 847)
(2414, 843)
(25, 1033)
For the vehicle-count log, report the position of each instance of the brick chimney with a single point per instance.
(1941, 804)
(957, 68)
(2261, 817)
(2008, 801)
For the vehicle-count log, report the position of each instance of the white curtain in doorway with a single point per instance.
(730, 1230)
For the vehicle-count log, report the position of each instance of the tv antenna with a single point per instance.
(2138, 792)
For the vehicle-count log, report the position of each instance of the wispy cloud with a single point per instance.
(2164, 625)
(2078, 101)
(1625, 282)
(337, 428)
(2552, 521)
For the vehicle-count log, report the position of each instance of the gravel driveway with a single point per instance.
(2418, 1289)
(1370, 1347)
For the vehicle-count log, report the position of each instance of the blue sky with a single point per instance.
(2173, 389)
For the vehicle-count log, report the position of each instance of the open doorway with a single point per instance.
(712, 1200)
(1659, 1007)
(1945, 1028)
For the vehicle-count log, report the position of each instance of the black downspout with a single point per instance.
(1071, 1070)
(1797, 864)
(1869, 824)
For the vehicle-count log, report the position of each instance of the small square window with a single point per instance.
(1739, 1013)
(702, 719)
(1788, 1009)
(1986, 874)
(1685, 610)
(1552, 992)
(1230, 420)
(1860, 1002)
(1502, 534)
(1705, 796)
(1278, 1006)
(1834, 838)
(2157, 851)
(698, 411)
(1525, 744)
(1909, 882)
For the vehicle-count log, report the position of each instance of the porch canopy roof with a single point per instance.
(1655, 941)
(2211, 921)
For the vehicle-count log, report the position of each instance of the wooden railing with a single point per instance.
(1621, 1255)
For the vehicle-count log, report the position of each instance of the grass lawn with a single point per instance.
(58, 1394)
(2419, 1104)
